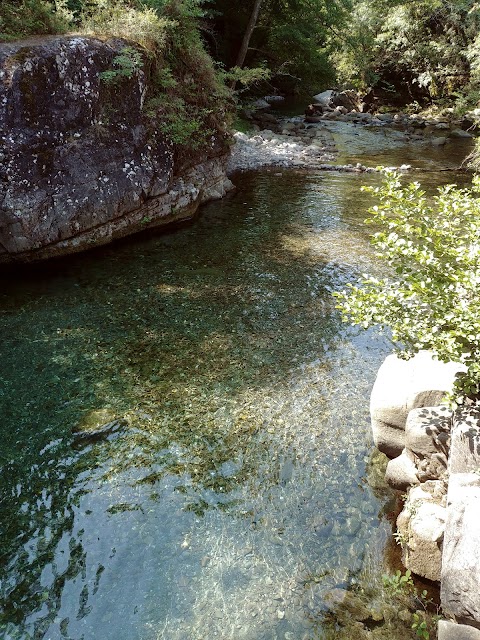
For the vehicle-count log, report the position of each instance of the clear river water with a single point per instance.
(234, 485)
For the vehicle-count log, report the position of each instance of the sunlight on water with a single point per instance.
(185, 433)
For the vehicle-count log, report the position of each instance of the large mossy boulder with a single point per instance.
(81, 162)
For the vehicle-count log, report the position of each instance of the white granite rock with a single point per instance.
(403, 385)
(324, 97)
(421, 526)
(448, 630)
(465, 447)
(427, 430)
(401, 472)
(460, 586)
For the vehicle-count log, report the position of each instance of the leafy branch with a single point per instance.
(432, 247)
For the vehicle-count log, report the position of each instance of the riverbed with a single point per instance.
(232, 488)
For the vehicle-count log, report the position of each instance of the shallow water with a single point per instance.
(232, 492)
(385, 146)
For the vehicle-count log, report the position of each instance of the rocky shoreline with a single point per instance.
(435, 463)
(306, 142)
(311, 148)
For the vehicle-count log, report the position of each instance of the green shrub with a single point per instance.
(430, 299)
(118, 19)
(125, 65)
(22, 18)
(189, 99)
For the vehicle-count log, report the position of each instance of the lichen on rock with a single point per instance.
(80, 161)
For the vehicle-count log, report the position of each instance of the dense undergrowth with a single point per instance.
(408, 51)
(188, 98)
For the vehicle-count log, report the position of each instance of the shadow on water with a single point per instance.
(236, 470)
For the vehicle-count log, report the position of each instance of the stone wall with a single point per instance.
(80, 163)
(435, 459)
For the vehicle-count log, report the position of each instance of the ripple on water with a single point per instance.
(228, 492)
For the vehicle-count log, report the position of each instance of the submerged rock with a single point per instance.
(96, 425)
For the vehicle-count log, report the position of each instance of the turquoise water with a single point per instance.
(229, 491)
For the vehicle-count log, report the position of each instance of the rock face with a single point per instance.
(439, 469)
(460, 587)
(348, 100)
(465, 455)
(450, 631)
(80, 163)
(403, 385)
(421, 526)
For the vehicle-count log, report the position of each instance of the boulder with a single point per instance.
(346, 100)
(439, 141)
(460, 133)
(349, 100)
(324, 98)
(421, 527)
(430, 491)
(403, 385)
(448, 630)
(432, 468)
(427, 430)
(82, 163)
(427, 439)
(260, 104)
(460, 586)
(465, 447)
(401, 472)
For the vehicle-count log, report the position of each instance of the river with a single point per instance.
(235, 487)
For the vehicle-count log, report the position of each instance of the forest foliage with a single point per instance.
(411, 50)
(429, 300)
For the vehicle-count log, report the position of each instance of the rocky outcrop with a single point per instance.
(450, 631)
(460, 585)
(438, 467)
(403, 385)
(421, 527)
(330, 100)
(80, 162)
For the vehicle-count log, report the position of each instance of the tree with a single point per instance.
(291, 38)
(423, 49)
(248, 34)
(430, 300)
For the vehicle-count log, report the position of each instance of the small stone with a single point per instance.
(460, 133)
(280, 614)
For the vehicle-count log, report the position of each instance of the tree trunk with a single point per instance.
(248, 34)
